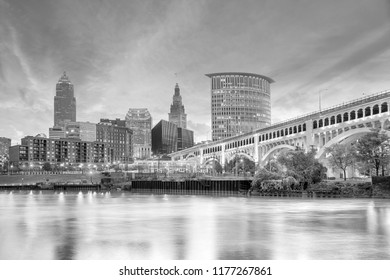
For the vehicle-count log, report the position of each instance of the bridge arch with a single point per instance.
(240, 154)
(279, 147)
(189, 156)
(210, 160)
(342, 137)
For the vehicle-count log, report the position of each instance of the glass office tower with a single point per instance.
(240, 103)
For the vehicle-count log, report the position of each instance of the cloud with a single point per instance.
(123, 54)
(202, 131)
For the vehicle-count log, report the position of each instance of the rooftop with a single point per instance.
(240, 73)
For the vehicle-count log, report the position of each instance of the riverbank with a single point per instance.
(51, 178)
(378, 188)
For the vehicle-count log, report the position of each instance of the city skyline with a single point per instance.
(125, 54)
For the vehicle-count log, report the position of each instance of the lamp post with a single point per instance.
(90, 173)
(319, 97)
(243, 166)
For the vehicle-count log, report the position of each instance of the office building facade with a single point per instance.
(240, 103)
(64, 102)
(167, 138)
(84, 131)
(139, 121)
(164, 138)
(177, 114)
(118, 139)
(185, 138)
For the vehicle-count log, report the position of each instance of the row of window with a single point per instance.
(368, 111)
(219, 82)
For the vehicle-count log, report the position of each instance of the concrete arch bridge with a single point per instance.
(316, 130)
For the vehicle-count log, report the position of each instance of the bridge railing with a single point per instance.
(360, 100)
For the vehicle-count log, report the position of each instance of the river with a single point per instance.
(90, 225)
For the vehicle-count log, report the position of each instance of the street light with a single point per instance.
(243, 165)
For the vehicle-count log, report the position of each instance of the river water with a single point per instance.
(89, 225)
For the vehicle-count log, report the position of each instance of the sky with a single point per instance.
(122, 54)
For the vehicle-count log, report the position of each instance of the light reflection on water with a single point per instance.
(46, 225)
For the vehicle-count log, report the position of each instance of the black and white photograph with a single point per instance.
(240, 132)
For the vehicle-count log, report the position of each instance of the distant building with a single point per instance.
(164, 138)
(177, 114)
(240, 103)
(185, 138)
(84, 131)
(57, 132)
(64, 102)
(5, 143)
(140, 122)
(168, 138)
(118, 139)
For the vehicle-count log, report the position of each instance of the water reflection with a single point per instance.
(90, 225)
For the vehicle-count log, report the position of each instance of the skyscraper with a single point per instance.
(177, 114)
(140, 122)
(240, 103)
(64, 102)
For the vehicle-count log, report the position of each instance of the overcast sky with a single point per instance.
(125, 53)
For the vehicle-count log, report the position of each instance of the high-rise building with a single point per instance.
(140, 122)
(118, 139)
(5, 143)
(167, 138)
(64, 102)
(177, 114)
(240, 103)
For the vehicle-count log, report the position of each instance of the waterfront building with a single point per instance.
(240, 103)
(64, 102)
(118, 139)
(18, 154)
(5, 143)
(139, 121)
(177, 114)
(39, 149)
(167, 138)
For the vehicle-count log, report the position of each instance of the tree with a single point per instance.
(264, 174)
(240, 164)
(46, 166)
(374, 149)
(341, 156)
(302, 166)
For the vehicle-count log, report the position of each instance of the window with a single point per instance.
(384, 107)
(367, 111)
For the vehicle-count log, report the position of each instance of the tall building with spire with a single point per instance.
(64, 102)
(177, 114)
